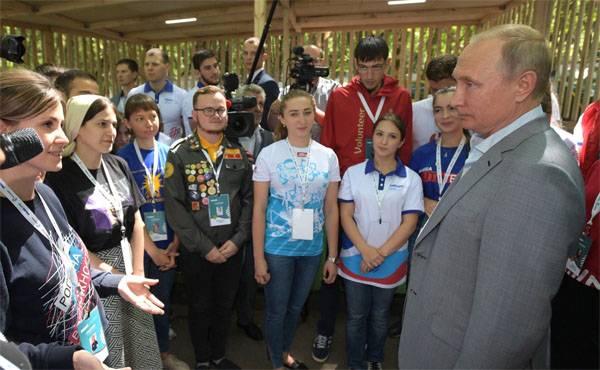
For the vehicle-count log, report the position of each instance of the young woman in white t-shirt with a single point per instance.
(295, 189)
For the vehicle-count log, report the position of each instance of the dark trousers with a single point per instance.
(329, 303)
(575, 322)
(211, 293)
(246, 295)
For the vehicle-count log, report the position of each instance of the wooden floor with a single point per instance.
(250, 354)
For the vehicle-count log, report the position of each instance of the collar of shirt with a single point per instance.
(256, 73)
(168, 87)
(399, 171)
(480, 145)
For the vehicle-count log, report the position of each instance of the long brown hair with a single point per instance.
(25, 94)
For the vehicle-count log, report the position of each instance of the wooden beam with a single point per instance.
(374, 20)
(79, 32)
(52, 8)
(291, 15)
(192, 12)
(260, 16)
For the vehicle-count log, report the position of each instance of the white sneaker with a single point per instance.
(172, 334)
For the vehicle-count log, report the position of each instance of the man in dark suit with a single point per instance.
(260, 77)
(487, 264)
(246, 295)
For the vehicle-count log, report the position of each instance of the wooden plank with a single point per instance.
(585, 57)
(419, 67)
(402, 66)
(35, 41)
(568, 103)
(337, 53)
(345, 63)
(428, 50)
(564, 61)
(56, 7)
(592, 55)
(351, 45)
(411, 54)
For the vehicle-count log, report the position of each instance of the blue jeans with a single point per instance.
(367, 323)
(162, 291)
(285, 294)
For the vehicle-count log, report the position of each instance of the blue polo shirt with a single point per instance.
(170, 101)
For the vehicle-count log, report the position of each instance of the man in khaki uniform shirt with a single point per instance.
(209, 206)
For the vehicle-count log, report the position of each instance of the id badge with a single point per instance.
(302, 224)
(91, 335)
(575, 263)
(156, 224)
(378, 233)
(218, 210)
(369, 149)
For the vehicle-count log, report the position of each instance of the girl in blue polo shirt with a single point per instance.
(380, 202)
(440, 161)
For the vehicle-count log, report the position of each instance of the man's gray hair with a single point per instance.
(524, 49)
(252, 89)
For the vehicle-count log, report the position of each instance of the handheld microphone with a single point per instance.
(20, 146)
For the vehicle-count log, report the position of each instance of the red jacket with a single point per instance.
(347, 125)
(590, 273)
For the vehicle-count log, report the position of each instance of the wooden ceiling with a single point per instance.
(144, 20)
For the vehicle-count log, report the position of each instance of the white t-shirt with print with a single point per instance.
(276, 165)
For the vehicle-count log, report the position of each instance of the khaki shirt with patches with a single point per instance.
(190, 180)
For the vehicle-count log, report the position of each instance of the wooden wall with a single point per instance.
(573, 33)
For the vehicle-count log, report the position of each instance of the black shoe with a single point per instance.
(320, 347)
(252, 331)
(225, 364)
(296, 365)
(395, 329)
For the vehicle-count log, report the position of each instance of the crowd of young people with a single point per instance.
(86, 220)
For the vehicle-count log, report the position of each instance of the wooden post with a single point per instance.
(285, 47)
(260, 16)
(541, 16)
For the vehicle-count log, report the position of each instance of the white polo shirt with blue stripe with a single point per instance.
(402, 194)
(170, 101)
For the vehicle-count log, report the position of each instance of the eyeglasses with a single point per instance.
(375, 68)
(210, 111)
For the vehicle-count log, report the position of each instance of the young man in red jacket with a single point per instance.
(351, 113)
(353, 109)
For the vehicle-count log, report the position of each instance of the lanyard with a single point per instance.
(303, 177)
(380, 195)
(375, 117)
(149, 176)
(595, 210)
(37, 224)
(438, 163)
(217, 170)
(113, 199)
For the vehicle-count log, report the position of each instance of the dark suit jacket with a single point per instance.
(487, 264)
(272, 93)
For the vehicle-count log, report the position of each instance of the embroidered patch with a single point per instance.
(169, 169)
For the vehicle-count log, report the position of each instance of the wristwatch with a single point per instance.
(332, 259)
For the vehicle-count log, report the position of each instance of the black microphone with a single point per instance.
(20, 146)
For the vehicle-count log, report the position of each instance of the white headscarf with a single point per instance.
(77, 107)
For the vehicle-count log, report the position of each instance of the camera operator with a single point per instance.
(246, 295)
(320, 88)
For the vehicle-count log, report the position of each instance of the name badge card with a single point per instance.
(302, 223)
(91, 335)
(218, 210)
(575, 263)
(156, 224)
